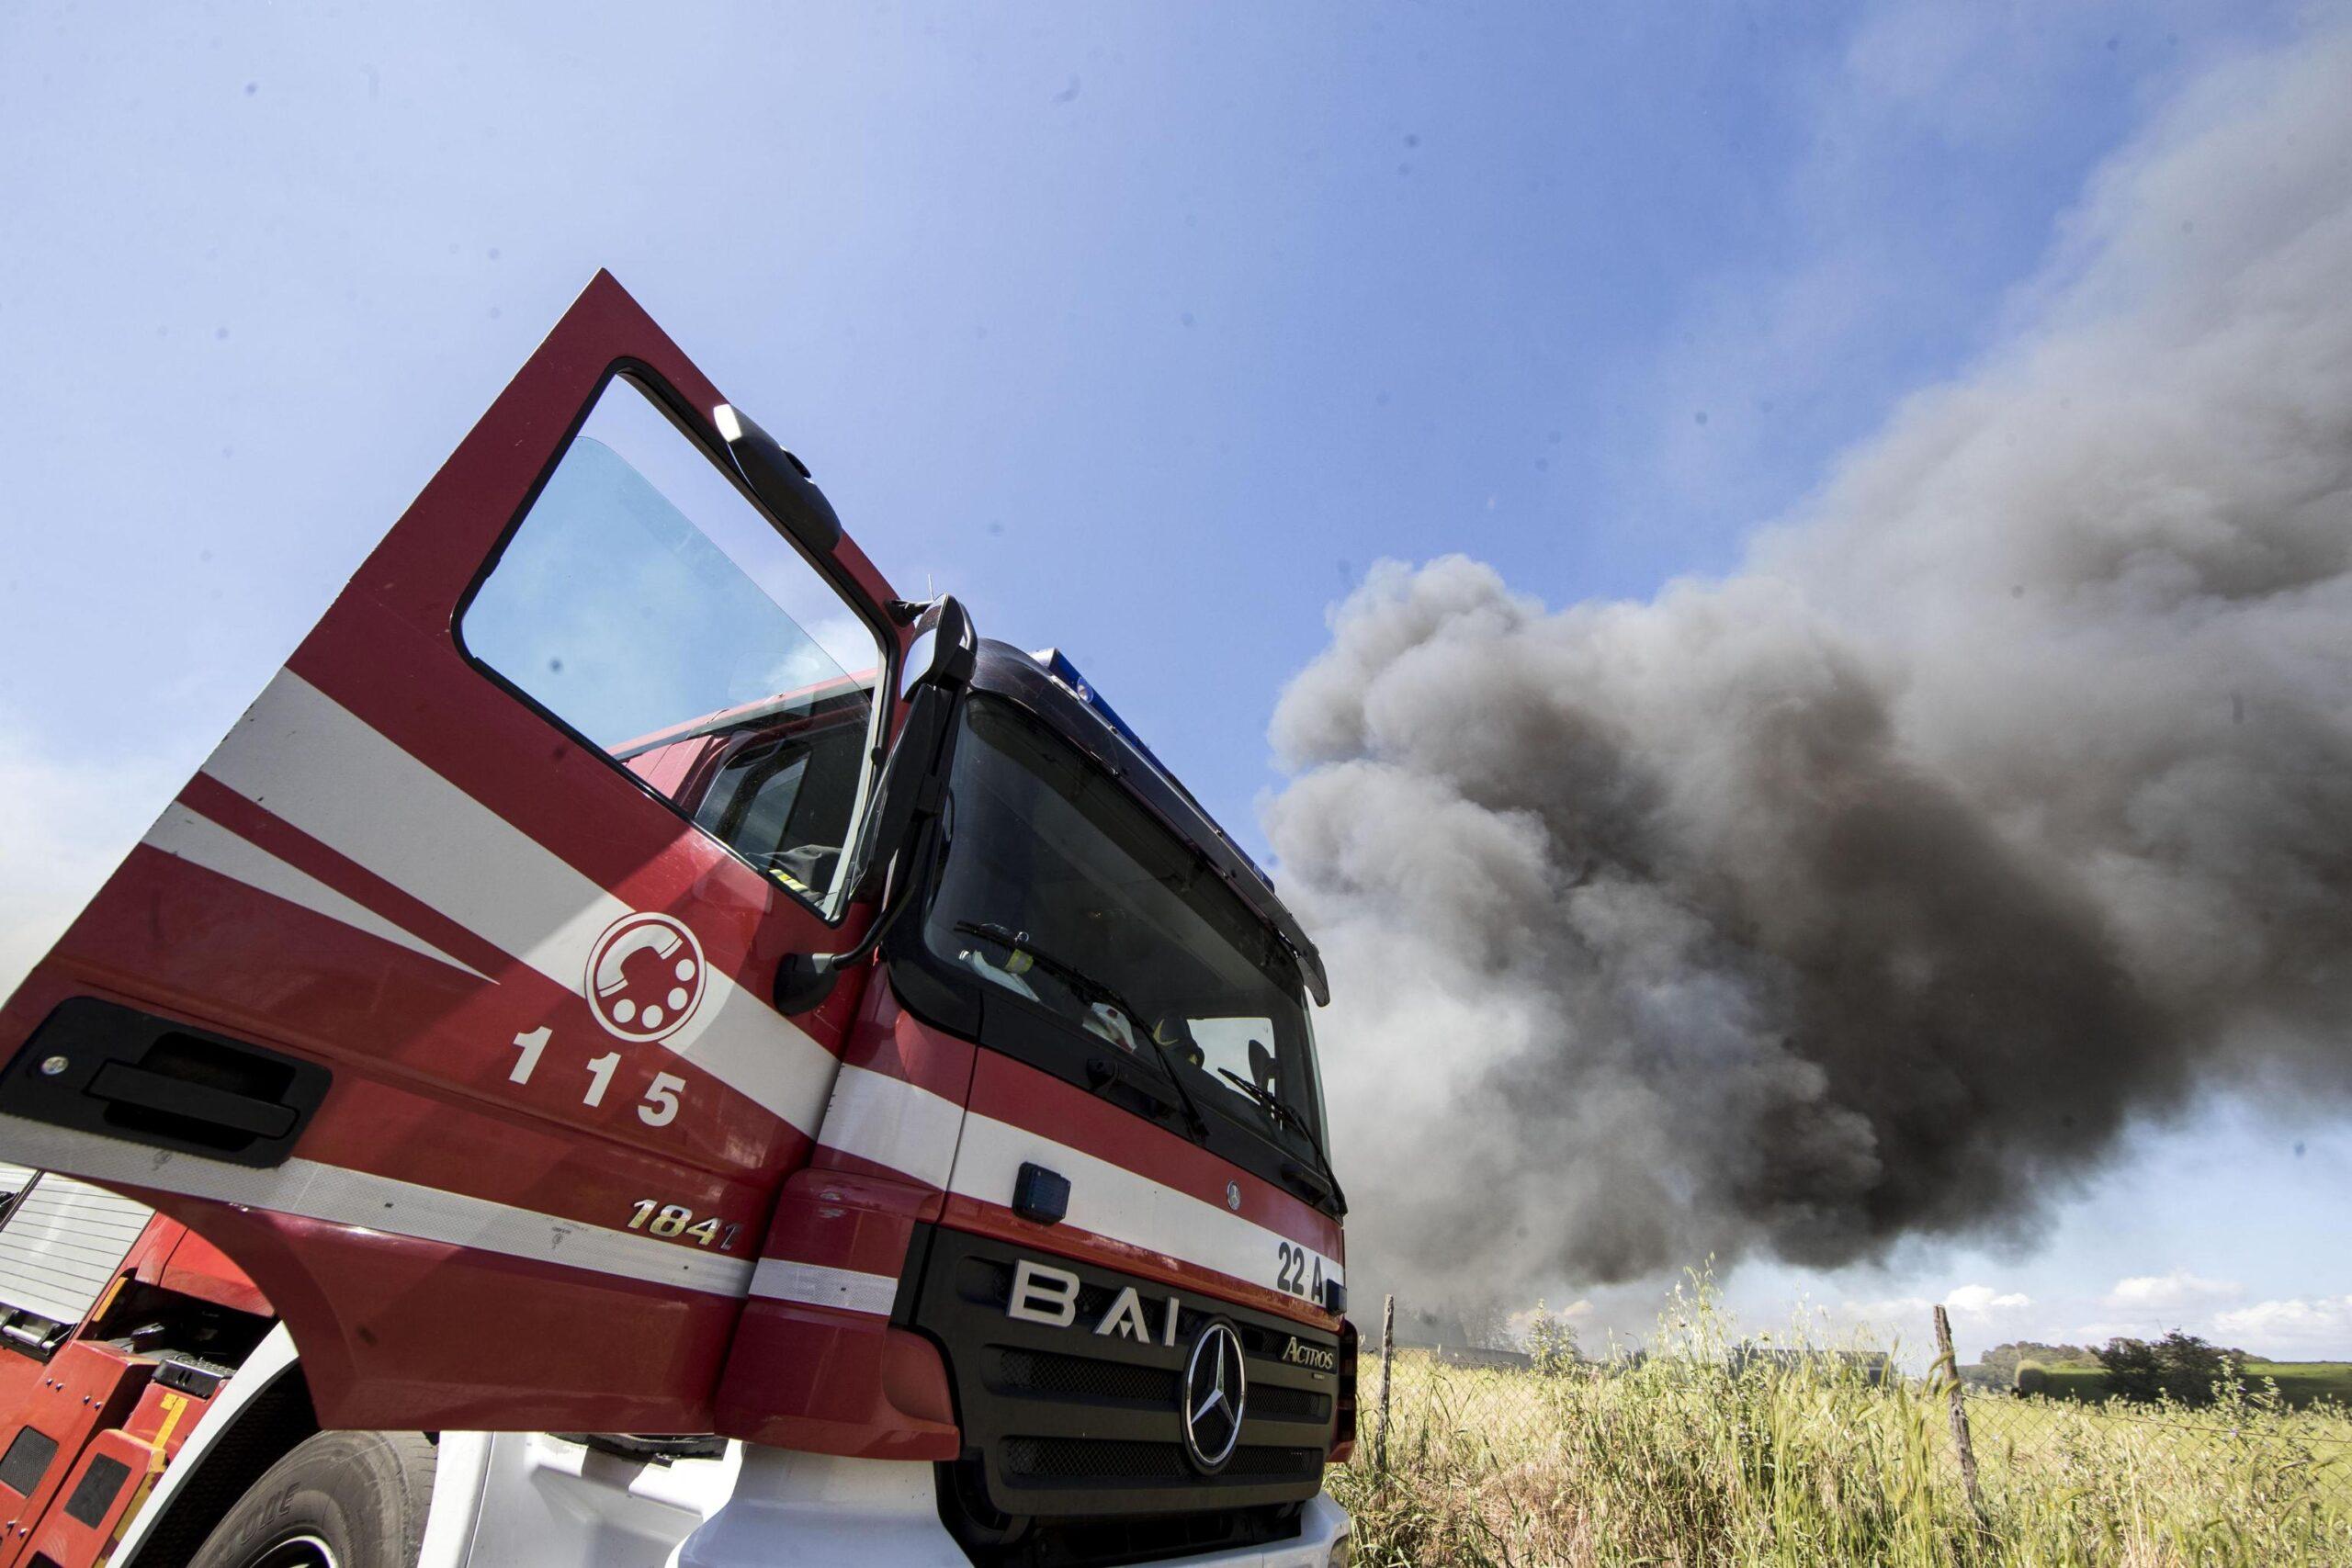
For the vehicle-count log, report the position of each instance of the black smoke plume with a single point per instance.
(2001, 799)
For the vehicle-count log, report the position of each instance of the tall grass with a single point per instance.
(1674, 1460)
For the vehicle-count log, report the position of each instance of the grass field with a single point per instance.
(2299, 1383)
(1675, 1461)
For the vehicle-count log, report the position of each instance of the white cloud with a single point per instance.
(2180, 1291)
(1983, 1301)
(2321, 1327)
(1910, 1316)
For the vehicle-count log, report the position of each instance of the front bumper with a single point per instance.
(817, 1511)
(1323, 1526)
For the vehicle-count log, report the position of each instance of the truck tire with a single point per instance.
(336, 1500)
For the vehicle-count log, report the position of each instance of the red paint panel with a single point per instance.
(278, 972)
(414, 1129)
(84, 1389)
(837, 1382)
(831, 1381)
(890, 1040)
(573, 1347)
(20, 1377)
(666, 769)
(833, 1162)
(66, 1540)
(150, 1254)
(842, 1221)
(164, 1418)
(196, 1268)
(216, 801)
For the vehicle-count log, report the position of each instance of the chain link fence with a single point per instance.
(1706, 1441)
(2013, 1437)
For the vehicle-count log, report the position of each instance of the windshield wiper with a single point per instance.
(1087, 988)
(1277, 1108)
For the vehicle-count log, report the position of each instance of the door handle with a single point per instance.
(123, 1084)
(114, 1071)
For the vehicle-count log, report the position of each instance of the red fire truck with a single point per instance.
(644, 1045)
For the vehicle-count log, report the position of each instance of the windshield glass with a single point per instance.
(1061, 891)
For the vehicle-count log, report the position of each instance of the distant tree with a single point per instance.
(2002, 1360)
(1977, 1374)
(1486, 1322)
(2190, 1367)
(2134, 1370)
(1551, 1341)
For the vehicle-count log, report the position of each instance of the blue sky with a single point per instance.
(1146, 329)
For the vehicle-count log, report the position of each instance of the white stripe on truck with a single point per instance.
(199, 841)
(361, 1200)
(895, 1124)
(298, 753)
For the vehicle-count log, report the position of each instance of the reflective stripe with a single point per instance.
(1125, 1205)
(362, 1200)
(199, 841)
(782, 1280)
(301, 755)
(893, 1122)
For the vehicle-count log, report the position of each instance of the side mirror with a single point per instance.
(780, 480)
(917, 764)
(907, 797)
(955, 647)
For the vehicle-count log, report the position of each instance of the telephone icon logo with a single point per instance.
(646, 977)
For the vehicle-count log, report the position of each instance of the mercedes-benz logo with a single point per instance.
(1215, 1387)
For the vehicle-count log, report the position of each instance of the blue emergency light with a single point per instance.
(1057, 665)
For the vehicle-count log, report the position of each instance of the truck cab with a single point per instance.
(635, 986)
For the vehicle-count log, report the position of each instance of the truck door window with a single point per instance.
(647, 606)
(785, 802)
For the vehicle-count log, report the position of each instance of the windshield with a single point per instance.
(1058, 889)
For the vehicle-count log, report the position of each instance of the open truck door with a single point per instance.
(440, 998)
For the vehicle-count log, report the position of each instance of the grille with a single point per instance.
(1047, 1374)
(1067, 1424)
(1287, 1403)
(1103, 1542)
(1071, 1459)
(1053, 1375)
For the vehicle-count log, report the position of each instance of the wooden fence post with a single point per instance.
(1387, 1351)
(1961, 1445)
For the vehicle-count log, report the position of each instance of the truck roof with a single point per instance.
(1049, 686)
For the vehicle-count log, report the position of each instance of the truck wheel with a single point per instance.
(338, 1500)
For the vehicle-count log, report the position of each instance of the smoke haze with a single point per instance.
(2002, 797)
